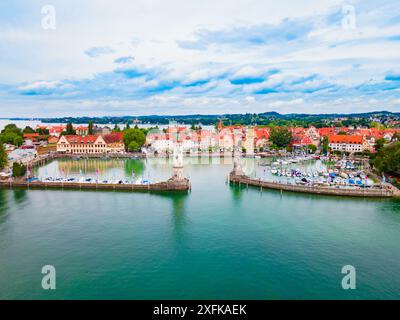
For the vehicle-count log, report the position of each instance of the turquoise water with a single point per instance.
(217, 242)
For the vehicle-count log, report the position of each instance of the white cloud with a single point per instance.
(240, 39)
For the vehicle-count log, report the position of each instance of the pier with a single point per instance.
(169, 185)
(331, 191)
(237, 176)
(177, 182)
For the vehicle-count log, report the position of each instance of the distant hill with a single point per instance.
(264, 118)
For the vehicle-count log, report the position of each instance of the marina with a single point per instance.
(314, 176)
(342, 173)
(305, 174)
(312, 189)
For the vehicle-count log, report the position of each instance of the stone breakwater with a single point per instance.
(169, 185)
(332, 191)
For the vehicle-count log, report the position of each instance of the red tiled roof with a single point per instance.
(31, 135)
(345, 139)
(80, 139)
(38, 126)
(262, 133)
(56, 129)
(175, 129)
(326, 131)
(114, 137)
(297, 130)
(301, 140)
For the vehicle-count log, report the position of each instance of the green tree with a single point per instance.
(90, 128)
(325, 145)
(70, 129)
(18, 170)
(28, 130)
(312, 148)
(379, 144)
(42, 131)
(12, 128)
(388, 159)
(133, 146)
(3, 157)
(377, 125)
(134, 139)
(18, 141)
(280, 137)
(116, 128)
(11, 134)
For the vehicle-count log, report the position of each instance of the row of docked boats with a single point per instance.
(291, 160)
(90, 180)
(326, 178)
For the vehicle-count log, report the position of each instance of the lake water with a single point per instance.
(217, 242)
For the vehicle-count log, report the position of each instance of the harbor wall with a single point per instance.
(169, 185)
(366, 193)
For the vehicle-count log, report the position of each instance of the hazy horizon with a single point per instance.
(195, 114)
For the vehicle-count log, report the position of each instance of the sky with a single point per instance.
(166, 57)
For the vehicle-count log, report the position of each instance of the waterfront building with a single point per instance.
(208, 139)
(249, 140)
(158, 142)
(115, 142)
(190, 140)
(313, 133)
(91, 144)
(226, 139)
(346, 143)
(262, 138)
(301, 141)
